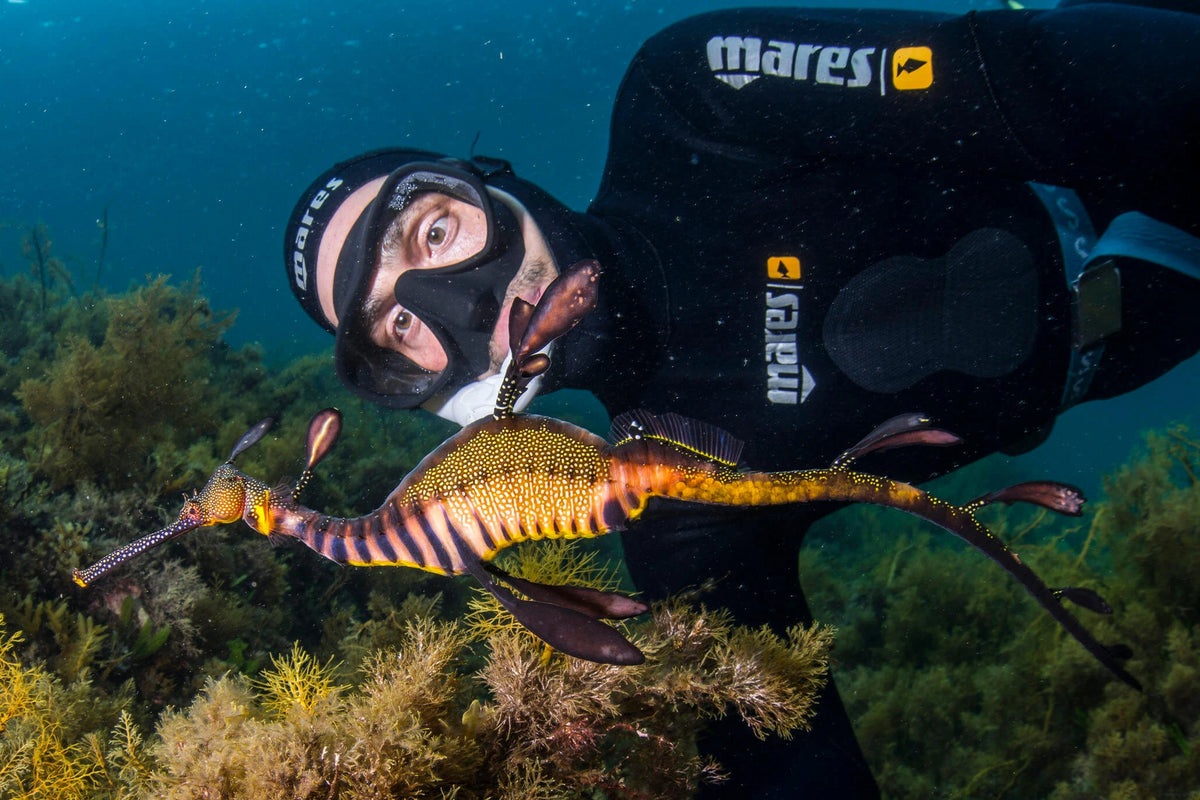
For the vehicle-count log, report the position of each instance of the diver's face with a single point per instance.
(433, 231)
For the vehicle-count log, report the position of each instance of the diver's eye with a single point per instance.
(438, 232)
(403, 321)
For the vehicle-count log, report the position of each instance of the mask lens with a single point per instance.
(385, 376)
(380, 373)
(408, 188)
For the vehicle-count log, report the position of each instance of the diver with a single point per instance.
(809, 221)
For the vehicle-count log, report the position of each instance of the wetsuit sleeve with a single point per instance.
(1093, 96)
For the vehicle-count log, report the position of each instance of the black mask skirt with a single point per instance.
(459, 303)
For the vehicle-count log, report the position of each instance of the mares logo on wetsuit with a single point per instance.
(740, 60)
(788, 381)
(912, 68)
(783, 268)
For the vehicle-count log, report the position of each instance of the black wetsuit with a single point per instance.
(813, 220)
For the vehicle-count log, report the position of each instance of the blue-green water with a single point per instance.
(196, 124)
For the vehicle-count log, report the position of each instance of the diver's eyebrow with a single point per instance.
(373, 309)
(393, 237)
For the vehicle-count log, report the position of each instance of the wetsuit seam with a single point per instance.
(668, 325)
(679, 111)
(664, 98)
(991, 91)
(639, 64)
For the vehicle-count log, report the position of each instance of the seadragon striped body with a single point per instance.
(500, 482)
(490, 486)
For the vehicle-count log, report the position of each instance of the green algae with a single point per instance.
(101, 409)
(959, 688)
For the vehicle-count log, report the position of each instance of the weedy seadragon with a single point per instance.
(513, 477)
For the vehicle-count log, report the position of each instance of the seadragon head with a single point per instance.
(227, 496)
(230, 495)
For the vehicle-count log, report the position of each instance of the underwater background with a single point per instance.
(145, 139)
(189, 129)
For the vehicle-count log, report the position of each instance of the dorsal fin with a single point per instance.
(705, 440)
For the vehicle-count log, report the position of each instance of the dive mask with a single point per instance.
(459, 303)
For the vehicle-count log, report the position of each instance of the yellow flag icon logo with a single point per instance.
(912, 68)
(783, 268)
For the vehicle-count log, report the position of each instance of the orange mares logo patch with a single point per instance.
(912, 68)
(783, 268)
